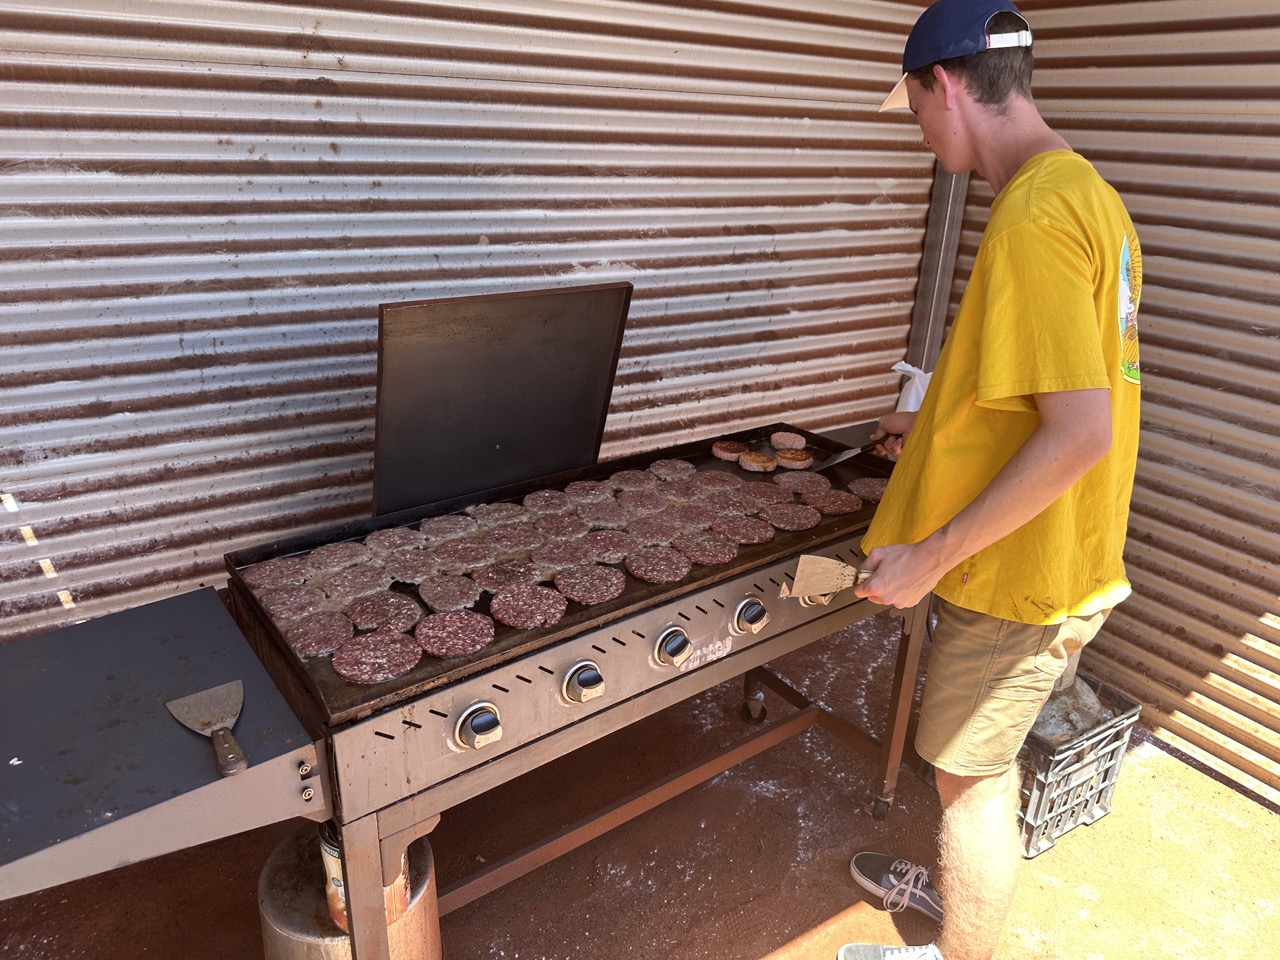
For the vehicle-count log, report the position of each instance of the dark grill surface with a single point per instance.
(338, 701)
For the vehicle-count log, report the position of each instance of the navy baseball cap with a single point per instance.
(953, 28)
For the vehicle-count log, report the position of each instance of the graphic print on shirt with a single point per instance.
(1130, 291)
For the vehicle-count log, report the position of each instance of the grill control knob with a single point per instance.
(817, 600)
(583, 682)
(479, 726)
(674, 647)
(751, 617)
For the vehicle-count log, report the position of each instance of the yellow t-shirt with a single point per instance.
(1051, 305)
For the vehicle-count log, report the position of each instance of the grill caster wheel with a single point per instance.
(879, 808)
(754, 711)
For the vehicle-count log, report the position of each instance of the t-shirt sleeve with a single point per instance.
(1041, 332)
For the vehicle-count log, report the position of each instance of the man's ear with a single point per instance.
(950, 85)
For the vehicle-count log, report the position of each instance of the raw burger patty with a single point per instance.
(505, 573)
(791, 516)
(688, 490)
(633, 480)
(280, 572)
(691, 516)
(384, 609)
(561, 554)
(641, 503)
(345, 585)
(762, 492)
(335, 556)
(605, 515)
(659, 565)
(439, 529)
(611, 546)
(786, 440)
(528, 606)
(706, 548)
(672, 469)
(515, 538)
(490, 515)
(729, 503)
(291, 603)
(562, 527)
(591, 583)
(833, 503)
(461, 556)
(378, 656)
(548, 501)
(716, 478)
(448, 593)
(744, 529)
(456, 633)
(589, 491)
(412, 566)
(319, 634)
(394, 538)
(868, 488)
(656, 530)
(800, 482)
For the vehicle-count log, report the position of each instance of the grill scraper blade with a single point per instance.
(817, 576)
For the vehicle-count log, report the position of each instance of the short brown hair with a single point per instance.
(990, 76)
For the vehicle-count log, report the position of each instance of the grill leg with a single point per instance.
(901, 698)
(753, 709)
(363, 857)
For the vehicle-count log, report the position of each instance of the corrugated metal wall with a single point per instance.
(203, 203)
(1178, 105)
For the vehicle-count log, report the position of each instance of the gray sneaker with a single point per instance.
(873, 951)
(898, 883)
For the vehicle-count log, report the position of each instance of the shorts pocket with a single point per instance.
(1033, 686)
(997, 729)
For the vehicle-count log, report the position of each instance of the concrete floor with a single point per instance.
(752, 864)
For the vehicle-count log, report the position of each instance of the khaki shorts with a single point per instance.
(987, 680)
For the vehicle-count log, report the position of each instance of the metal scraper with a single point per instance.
(816, 576)
(213, 713)
(839, 457)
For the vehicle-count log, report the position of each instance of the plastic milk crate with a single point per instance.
(1071, 783)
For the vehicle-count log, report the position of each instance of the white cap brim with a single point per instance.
(897, 98)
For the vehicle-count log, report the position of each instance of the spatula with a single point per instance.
(213, 713)
(816, 576)
(839, 457)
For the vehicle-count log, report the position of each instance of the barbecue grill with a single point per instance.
(404, 751)
(384, 760)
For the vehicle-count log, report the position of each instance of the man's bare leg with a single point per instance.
(980, 856)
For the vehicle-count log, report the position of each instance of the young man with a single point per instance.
(1011, 496)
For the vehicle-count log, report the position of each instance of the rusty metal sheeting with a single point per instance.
(204, 203)
(1177, 105)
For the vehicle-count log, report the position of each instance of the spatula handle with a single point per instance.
(231, 758)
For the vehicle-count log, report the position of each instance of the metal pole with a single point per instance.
(937, 267)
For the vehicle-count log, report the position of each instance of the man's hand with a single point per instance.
(892, 429)
(903, 574)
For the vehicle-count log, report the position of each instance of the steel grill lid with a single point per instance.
(479, 392)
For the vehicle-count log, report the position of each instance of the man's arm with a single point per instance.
(1073, 435)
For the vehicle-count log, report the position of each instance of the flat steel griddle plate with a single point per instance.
(341, 701)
